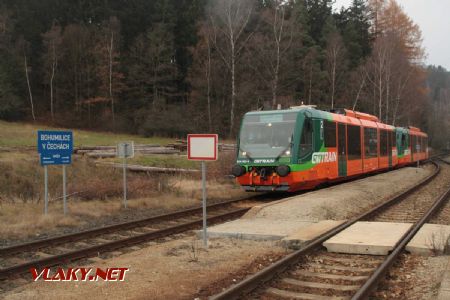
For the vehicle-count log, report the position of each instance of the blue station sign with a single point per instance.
(55, 147)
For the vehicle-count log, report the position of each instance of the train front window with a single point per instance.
(266, 136)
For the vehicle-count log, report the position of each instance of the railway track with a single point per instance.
(18, 259)
(314, 273)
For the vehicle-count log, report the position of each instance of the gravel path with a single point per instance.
(344, 200)
(176, 269)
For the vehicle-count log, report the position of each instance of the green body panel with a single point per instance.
(399, 134)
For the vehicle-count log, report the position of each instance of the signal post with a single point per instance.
(203, 147)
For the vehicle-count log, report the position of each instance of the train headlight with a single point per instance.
(238, 170)
(288, 152)
(283, 170)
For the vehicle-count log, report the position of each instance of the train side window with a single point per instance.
(403, 141)
(306, 140)
(370, 142)
(383, 143)
(413, 144)
(354, 142)
(329, 134)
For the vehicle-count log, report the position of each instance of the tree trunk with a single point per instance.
(110, 50)
(333, 82)
(29, 88)
(310, 84)
(387, 96)
(275, 80)
(208, 86)
(359, 92)
(54, 66)
(380, 93)
(233, 84)
(277, 64)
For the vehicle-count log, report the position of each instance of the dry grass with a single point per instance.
(163, 202)
(21, 134)
(98, 193)
(23, 220)
(27, 219)
(20, 219)
(215, 189)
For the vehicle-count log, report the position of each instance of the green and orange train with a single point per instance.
(303, 147)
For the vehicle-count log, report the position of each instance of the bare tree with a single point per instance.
(23, 46)
(229, 19)
(271, 44)
(376, 69)
(52, 41)
(112, 32)
(335, 54)
(282, 37)
(361, 74)
(27, 70)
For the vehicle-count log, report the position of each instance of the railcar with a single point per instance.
(302, 147)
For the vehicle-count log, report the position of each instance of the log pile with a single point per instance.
(110, 151)
(174, 148)
(227, 147)
(138, 168)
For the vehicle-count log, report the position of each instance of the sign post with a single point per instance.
(125, 150)
(55, 148)
(46, 190)
(64, 189)
(203, 147)
(205, 236)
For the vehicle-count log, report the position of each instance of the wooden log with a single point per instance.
(112, 147)
(159, 151)
(112, 151)
(139, 168)
(101, 154)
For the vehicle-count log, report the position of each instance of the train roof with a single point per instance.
(296, 109)
(411, 130)
(341, 115)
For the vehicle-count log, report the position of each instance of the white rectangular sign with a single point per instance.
(125, 149)
(202, 146)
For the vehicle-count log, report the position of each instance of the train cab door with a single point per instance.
(342, 150)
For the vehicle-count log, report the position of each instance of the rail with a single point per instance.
(272, 271)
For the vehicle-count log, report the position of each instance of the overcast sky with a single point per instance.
(432, 17)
